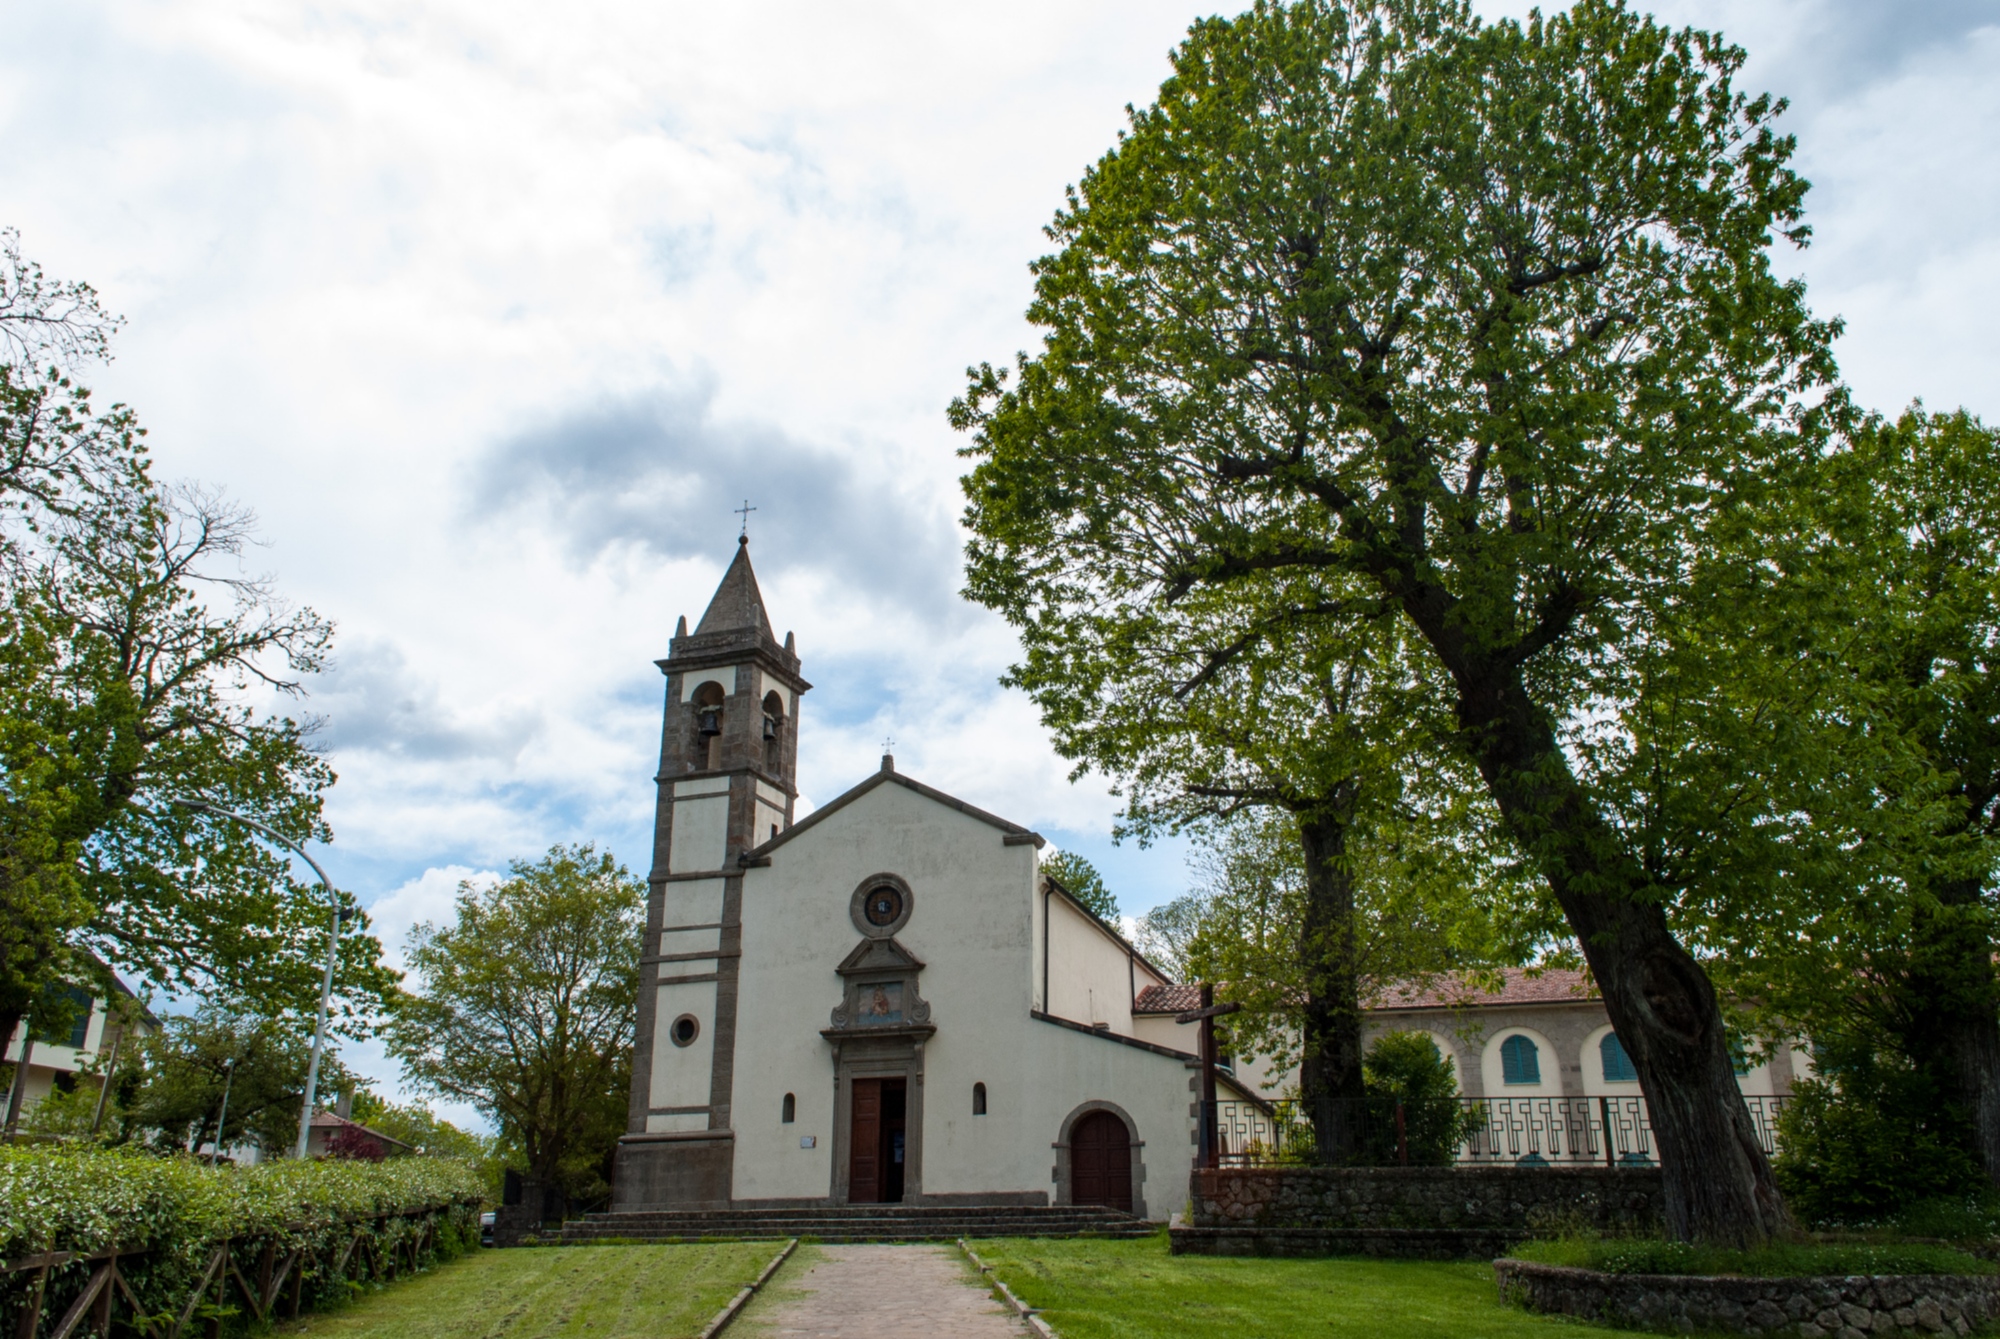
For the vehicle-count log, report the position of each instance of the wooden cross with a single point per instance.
(744, 511)
(1209, 1143)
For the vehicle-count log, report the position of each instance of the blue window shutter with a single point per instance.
(1519, 1061)
(1617, 1065)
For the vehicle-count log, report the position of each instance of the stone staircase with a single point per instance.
(859, 1222)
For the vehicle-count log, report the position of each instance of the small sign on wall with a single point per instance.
(808, 1141)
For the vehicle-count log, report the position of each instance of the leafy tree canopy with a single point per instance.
(525, 1006)
(1080, 879)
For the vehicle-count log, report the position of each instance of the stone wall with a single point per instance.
(1427, 1212)
(1812, 1308)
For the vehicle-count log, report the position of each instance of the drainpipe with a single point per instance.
(1045, 950)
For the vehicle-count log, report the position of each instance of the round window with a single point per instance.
(880, 905)
(684, 1030)
(885, 904)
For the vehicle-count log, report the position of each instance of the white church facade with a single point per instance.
(883, 1002)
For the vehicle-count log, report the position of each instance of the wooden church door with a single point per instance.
(1100, 1162)
(864, 1165)
(877, 1144)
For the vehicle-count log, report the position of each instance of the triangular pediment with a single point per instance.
(879, 955)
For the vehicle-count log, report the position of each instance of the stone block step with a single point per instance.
(845, 1223)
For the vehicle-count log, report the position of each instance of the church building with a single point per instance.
(883, 1002)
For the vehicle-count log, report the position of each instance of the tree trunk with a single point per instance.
(1955, 1011)
(1330, 1059)
(1718, 1184)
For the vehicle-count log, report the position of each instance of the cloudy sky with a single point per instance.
(492, 311)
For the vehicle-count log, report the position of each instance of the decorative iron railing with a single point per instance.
(1466, 1131)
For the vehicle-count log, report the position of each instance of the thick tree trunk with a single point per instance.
(1330, 1058)
(1718, 1184)
(1955, 1011)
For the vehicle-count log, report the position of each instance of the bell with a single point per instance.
(711, 721)
(770, 727)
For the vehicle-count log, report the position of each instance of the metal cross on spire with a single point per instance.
(744, 511)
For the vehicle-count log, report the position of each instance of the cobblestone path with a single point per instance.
(885, 1292)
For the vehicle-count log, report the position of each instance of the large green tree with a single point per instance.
(1878, 611)
(136, 655)
(525, 1007)
(1483, 318)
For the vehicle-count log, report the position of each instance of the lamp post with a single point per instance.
(222, 1116)
(332, 955)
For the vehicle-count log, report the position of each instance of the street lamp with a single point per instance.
(228, 1076)
(332, 955)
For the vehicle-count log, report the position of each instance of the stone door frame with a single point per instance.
(1061, 1171)
(865, 1057)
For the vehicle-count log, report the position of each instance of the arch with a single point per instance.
(1088, 1117)
(1506, 1070)
(706, 704)
(774, 730)
(788, 1110)
(979, 1099)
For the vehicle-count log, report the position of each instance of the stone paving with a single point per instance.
(883, 1292)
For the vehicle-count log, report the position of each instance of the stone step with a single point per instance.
(888, 1222)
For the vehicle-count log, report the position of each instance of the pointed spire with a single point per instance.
(681, 628)
(737, 604)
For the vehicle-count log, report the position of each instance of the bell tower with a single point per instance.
(728, 759)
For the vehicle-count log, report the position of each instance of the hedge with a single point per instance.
(171, 1240)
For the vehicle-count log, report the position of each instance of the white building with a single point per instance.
(883, 1002)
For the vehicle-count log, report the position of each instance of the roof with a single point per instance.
(887, 776)
(737, 603)
(327, 1120)
(1167, 1000)
(1519, 985)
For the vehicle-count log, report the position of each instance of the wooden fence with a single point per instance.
(362, 1249)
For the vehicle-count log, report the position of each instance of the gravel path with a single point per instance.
(885, 1292)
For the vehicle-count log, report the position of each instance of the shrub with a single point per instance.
(177, 1211)
(1869, 1136)
(1405, 1068)
(1652, 1255)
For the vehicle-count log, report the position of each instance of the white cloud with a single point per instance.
(428, 899)
(493, 310)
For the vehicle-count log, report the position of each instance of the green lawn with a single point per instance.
(1134, 1290)
(603, 1292)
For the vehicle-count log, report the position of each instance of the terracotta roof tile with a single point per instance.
(1553, 986)
(1167, 1000)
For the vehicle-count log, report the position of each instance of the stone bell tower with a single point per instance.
(728, 758)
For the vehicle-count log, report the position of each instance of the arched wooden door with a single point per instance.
(1100, 1162)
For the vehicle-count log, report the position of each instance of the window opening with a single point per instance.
(707, 703)
(790, 1109)
(1618, 1067)
(1520, 1062)
(684, 1030)
(979, 1099)
(774, 729)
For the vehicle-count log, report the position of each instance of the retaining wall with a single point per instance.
(1424, 1212)
(1812, 1308)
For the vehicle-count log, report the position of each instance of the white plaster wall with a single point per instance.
(973, 924)
(770, 822)
(694, 902)
(1162, 1030)
(691, 941)
(726, 677)
(1549, 1061)
(700, 834)
(682, 1074)
(1091, 976)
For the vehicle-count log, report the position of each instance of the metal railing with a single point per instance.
(1464, 1131)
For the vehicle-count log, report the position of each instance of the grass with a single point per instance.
(1136, 1290)
(1786, 1260)
(603, 1292)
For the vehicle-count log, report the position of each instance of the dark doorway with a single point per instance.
(1100, 1162)
(878, 1146)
